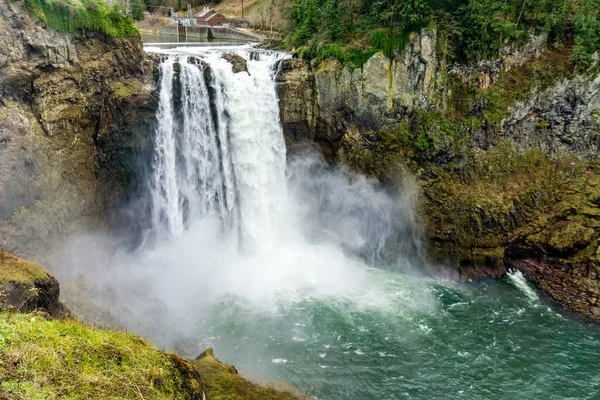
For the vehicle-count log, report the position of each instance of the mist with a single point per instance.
(334, 224)
(232, 221)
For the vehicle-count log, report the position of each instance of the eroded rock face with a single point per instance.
(74, 109)
(564, 119)
(319, 103)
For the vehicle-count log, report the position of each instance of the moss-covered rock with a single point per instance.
(26, 287)
(223, 382)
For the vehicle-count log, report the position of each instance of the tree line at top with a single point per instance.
(472, 29)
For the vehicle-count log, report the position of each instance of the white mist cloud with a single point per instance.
(330, 223)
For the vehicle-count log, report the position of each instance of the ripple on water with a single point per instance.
(483, 340)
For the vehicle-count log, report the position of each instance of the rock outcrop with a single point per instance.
(503, 152)
(26, 287)
(321, 102)
(73, 108)
(238, 63)
(224, 381)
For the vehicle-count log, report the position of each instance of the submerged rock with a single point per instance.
(238, 63)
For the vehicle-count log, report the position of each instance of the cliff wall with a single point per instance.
(505, 153)
(73, 108)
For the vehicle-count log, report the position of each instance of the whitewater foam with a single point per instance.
(518, 280)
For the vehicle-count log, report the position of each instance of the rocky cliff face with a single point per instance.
(73, 107)
(322, 102)
(504, 152)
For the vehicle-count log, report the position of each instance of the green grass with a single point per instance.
(222, 383)
(82, 16)
(41, 359)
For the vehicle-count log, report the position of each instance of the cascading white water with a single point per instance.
(228, 159)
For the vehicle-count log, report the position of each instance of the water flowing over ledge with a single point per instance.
(265, 259)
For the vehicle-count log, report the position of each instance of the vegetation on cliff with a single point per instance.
(50, 359)
(474, 30)
(222, 382)
(14, 269)
(83, 16)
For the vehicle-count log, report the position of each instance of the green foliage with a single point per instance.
(138, 7)
(64, 359)
(83, 16)
(354, 57)
(468, 30)
(587, 39)
(422, 142)
(389, 43)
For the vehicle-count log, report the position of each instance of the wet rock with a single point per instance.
(238, 63)
(197, 61)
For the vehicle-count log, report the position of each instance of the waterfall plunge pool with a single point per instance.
(256, 257)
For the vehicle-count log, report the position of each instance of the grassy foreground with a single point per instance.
(41, 359)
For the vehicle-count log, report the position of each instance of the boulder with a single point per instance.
(238, 63)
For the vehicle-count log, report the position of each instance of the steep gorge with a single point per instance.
(504, 151)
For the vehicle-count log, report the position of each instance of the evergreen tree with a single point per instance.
(138, 7)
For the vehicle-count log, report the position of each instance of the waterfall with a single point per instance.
(216, 153)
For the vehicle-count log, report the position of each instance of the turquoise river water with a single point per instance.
(424, 339)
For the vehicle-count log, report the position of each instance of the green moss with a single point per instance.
(346, 53)
(221, 382)
(14, 269)
(82, 16)
(126, 89)
(502, 195)
(569, 235)
(65, 359)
